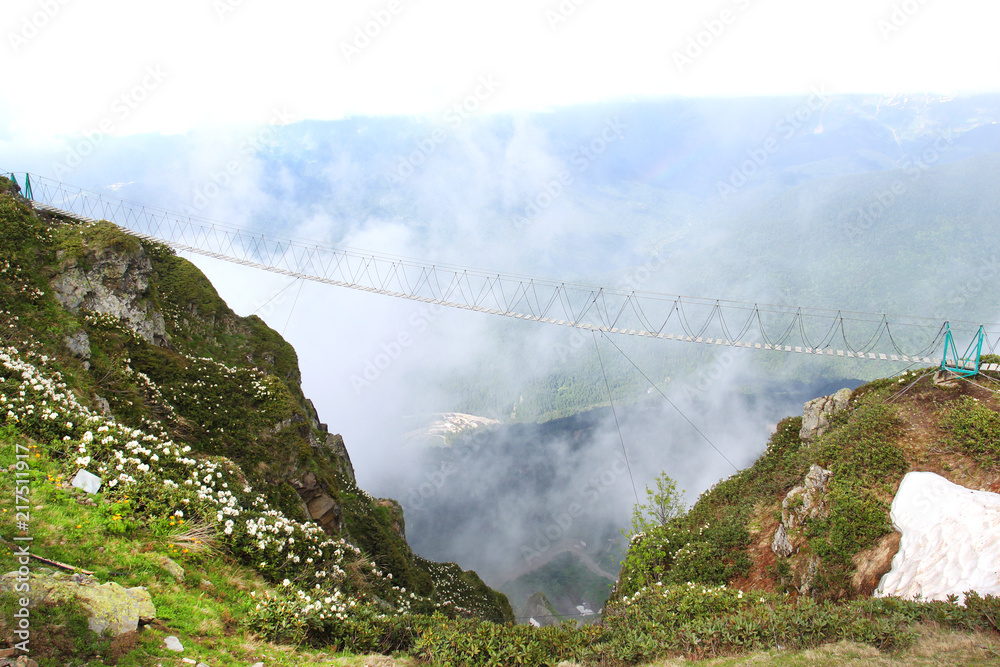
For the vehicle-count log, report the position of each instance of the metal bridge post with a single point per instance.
(26, 192)
(966, 365)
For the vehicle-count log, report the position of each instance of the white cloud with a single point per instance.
(233, 61)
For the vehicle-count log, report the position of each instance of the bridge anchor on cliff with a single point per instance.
(966, 365)
(26, 192)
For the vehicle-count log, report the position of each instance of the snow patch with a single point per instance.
(950, 543)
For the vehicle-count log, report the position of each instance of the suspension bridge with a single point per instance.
(760, 326)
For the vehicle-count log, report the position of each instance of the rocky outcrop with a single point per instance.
(110, 607)
(331, 443)
(807, 501)
(173, 568)
(540, 611)
(321, 507)
(396, 510)
(111, 282)
(317, 500)
(816, 413)
(801, 505)
(950, 540)
(102, 405)
(79, 346)
(334, 444)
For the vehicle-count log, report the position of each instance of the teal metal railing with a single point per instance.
(966, 365)
(26, 190)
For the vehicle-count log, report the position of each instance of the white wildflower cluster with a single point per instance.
(21, 281)
(453, 592)
(299, 603)
(278, 538)
(707, 593)
(181, 484)
(217, 384)
(334, 616)
(9, 319)
(43, 402)
(110, 323)
(264, 387)
(153, 393)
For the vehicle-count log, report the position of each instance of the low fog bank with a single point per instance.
(507, 499)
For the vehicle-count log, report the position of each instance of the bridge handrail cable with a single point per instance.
(590, 307)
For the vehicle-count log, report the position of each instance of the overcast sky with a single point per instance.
(168, 67)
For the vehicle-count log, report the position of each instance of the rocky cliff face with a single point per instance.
(816, 413)
(111, 282)
(107, 273)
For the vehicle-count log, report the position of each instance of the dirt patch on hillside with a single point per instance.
(871, 564)
(923, 441)
(761, 576)
(121, 646)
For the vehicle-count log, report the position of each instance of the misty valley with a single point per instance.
(543, 509)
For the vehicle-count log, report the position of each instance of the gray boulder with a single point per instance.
(110, 606)
(816, 413)
(807, 501)
(79, 344)
(171, 566)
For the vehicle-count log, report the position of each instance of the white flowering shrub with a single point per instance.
(163, 482)
(295, 616)
(710, 553)
(679, 603)
(460, 593)
(21, 286)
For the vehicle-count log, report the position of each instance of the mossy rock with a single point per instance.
(110, 607)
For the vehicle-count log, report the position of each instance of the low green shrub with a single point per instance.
(472, 643)
(676, 553)
(857, 519)
(984, 611)
(706, 621)
(293, 616)
(973, 428)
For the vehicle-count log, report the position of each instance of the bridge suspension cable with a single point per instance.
(762, 326)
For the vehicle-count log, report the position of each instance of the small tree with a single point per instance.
(664, 504)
